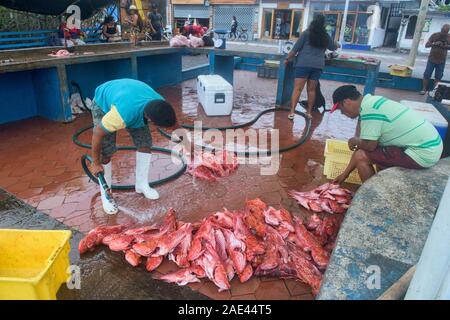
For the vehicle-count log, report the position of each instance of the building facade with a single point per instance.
(433, 23)
(369, 23)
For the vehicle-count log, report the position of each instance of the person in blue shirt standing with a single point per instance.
(127, 104)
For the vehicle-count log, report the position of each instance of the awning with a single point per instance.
(56, 7)
(196, 11)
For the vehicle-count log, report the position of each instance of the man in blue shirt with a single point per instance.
(127, 104)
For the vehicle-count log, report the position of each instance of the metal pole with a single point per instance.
(418, 33)
(344, 23)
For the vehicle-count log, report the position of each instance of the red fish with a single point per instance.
(306, 271)
(141, 230)
(254, 216)
(146, 248)
(121, 243)
(253, 246)
(223, 219)
(132, 258)
(168, 242)
(96, 235)
(236, 251)
(181, 277)
(153, 263)
(180, 254)
(308, 242)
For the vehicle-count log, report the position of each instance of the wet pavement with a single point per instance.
(41, 165)
(103, 274)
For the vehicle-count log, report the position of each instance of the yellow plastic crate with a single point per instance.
(333, 168)
(33, 263)
(337, 149)
(337, 156)
(400, 71)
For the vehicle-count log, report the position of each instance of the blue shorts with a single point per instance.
(438, 69)
(308, 73)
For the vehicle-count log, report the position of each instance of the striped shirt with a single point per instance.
(393, 124)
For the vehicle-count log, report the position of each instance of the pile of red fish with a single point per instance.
(60, 53)
(258, 240)
(330, 198)
(210, 166)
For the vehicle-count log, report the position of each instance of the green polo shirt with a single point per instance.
(393, 124)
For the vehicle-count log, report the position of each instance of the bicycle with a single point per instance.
(241, 34)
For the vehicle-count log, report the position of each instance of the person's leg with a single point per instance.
(363, 164)
(438, 74)
(299, 84)
(387, 157)
(311, 86)
(426, 76)
(142, 139)
(108, 149)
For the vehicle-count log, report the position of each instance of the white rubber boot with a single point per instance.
(142, 170)
(108, 207)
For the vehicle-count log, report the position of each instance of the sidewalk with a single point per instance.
(386, 56)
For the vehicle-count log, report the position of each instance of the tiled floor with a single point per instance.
(41, 165)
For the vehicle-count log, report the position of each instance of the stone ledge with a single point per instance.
(386, 226)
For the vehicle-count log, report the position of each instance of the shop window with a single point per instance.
(361, 35)
(411, 27)
(350, 28)
(282, 24)
(332, 24)
(267, 23)
(297, 24)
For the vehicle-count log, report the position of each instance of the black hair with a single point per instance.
(108, 19)
(346, 92)
(318, 36)
(160, 113)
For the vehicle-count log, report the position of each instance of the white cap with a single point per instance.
(132, 7)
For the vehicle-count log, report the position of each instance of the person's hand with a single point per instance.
(286, 61)
(340, 179)
(96, 169)
(353, 143)
(309, 115)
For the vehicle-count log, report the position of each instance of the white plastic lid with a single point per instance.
(214, 82)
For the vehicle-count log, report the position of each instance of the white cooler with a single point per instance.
(215, 95)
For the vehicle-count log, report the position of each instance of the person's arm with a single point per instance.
(430, 42)
(358, 129)
(356, 143)
(297, 47)
(97, 137)
(105, 34)
(332, 45)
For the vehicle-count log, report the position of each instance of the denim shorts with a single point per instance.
(308, 73)
(141, 137)
(438, 69)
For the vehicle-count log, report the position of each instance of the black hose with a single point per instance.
(239, 126)
(86, 158)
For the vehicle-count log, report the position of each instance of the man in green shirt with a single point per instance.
(389, 134)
